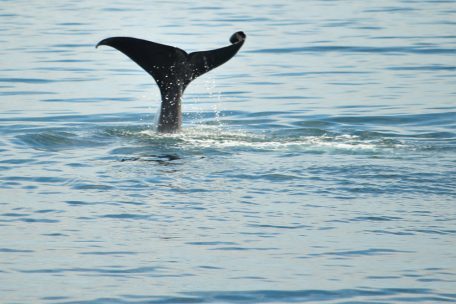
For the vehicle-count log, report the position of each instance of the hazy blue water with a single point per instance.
(318, 165)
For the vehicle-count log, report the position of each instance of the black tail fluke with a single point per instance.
(156, 59)
(173, 69)
(203, 62)
(166, 63)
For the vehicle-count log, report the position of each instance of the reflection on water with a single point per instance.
(315, 166)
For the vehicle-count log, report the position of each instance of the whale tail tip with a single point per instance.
(237, 37)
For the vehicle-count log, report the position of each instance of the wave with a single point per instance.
(240, 131)
(359, 49)
(359, 295)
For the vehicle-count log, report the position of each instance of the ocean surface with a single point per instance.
(318, 165)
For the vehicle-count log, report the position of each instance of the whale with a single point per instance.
(173, 69)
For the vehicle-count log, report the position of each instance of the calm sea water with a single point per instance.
(318, 165)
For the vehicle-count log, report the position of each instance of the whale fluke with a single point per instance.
(173, 69)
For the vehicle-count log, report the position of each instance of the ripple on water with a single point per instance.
(57, 140)
(331, 133)
(331, 180)
(364, 295)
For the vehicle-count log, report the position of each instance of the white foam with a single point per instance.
(219, 138)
